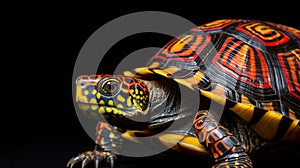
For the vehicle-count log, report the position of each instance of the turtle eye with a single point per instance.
(109, 87)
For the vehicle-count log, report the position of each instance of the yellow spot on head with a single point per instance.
(110, 102)
(129, 102)
(102, 102)
(93, 100)
(86, 92)
(108, 110)
(136, 91)
(116, 112)
(141, 92)
(98, 95)
(120, 106)
(94, 91)
(134, 102)
(121, 98)
(102, 110)
(124, 90)
(94, 107)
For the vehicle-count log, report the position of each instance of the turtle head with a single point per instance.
(116, 97)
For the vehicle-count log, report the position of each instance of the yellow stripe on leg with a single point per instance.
(293, 132)
(184, 143)
(268, 125)
(245, 111)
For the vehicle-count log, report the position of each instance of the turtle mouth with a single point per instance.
(112, 109)
(122, 118)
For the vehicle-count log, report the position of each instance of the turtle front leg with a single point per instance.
(108, 140)
(223, 145)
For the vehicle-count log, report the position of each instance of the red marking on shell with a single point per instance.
(263, 33)
(234, 63)
(290, 65)
(186, 54)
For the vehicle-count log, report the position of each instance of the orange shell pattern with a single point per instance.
(253, 62)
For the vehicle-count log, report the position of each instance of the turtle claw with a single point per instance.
(111, 159)
(85, 162)
(97, 161)
(74, 160)
(97, 156)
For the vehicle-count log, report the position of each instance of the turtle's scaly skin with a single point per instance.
(250, 67)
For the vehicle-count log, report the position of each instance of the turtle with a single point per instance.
(250, 68)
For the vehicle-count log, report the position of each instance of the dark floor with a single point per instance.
(56, 154)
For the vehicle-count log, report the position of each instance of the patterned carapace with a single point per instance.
(255, 62)
(250, 67)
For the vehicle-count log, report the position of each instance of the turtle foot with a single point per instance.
(96, 156)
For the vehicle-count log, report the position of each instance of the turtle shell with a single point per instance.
(245, 64)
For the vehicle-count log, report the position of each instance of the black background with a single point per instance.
(41, 43)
